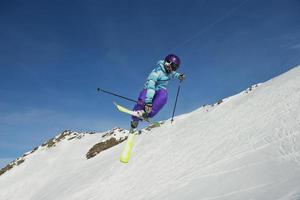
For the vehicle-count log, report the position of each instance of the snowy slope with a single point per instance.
(247, 147)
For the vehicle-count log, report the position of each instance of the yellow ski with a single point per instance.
(126, 153)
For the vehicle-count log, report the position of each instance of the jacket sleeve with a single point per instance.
(150, 86)
(175, 75)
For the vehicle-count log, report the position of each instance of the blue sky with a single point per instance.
(54, 54)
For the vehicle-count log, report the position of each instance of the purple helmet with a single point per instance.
(173, 60)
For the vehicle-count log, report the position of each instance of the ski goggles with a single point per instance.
(173, 66)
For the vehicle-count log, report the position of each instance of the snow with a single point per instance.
(247, 147)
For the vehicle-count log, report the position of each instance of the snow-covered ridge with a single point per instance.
(213, 105)
(243, 147)
(109, 139)
(65, 135)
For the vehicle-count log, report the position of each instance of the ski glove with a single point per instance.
(181, 77)
(148, 108)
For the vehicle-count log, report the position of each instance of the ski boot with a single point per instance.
(133, 126)
(142, 115)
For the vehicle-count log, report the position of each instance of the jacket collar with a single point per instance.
(162, 66)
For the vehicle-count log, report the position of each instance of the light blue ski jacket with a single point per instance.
(158, 79)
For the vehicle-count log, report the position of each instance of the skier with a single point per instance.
(154, 94)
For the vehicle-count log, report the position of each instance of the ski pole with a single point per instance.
(101, 90)
(178, 90)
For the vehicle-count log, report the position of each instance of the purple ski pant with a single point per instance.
(159, 100)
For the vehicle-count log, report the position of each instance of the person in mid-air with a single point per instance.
(154, 95)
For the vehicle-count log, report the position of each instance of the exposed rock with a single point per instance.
(97, 148)
(12, 165)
